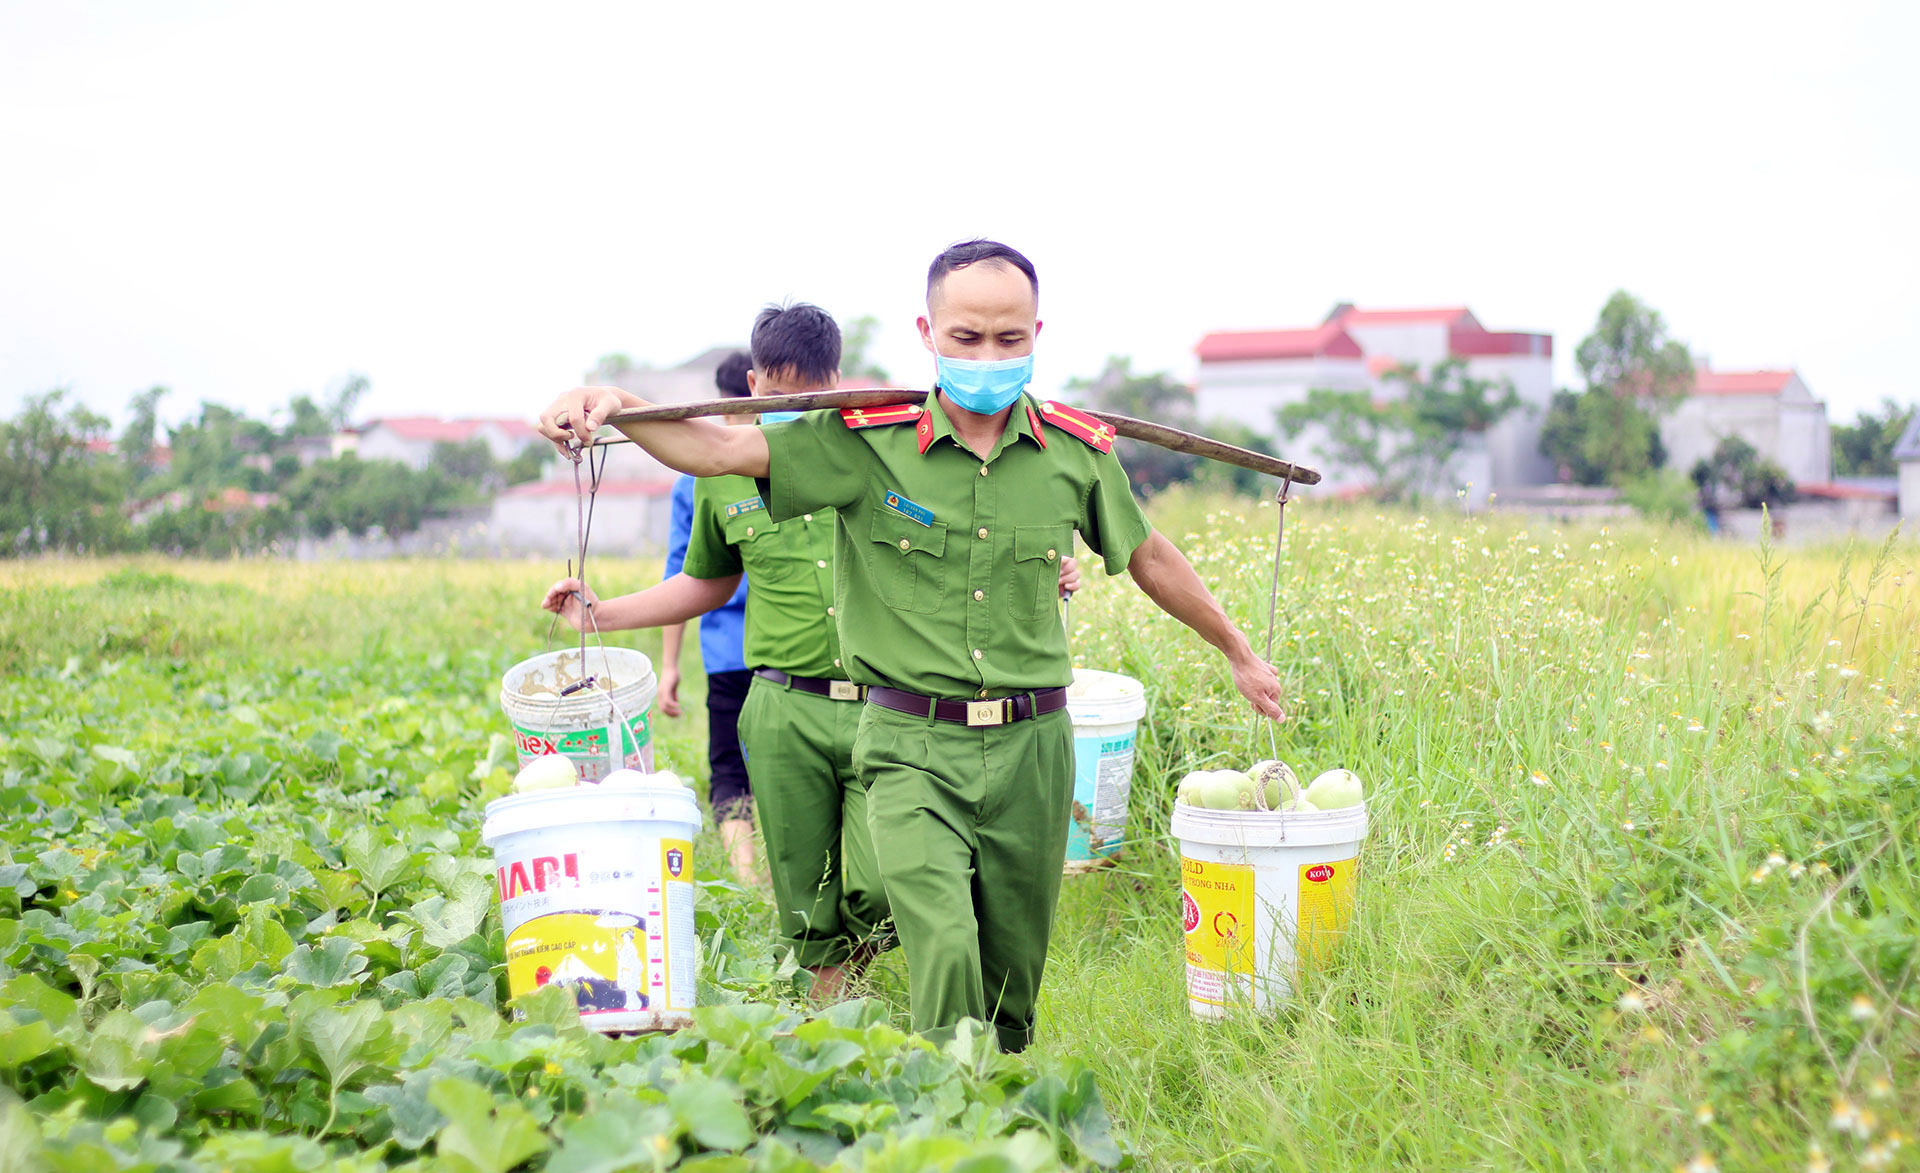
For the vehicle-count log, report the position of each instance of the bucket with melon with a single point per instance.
(1268, 869)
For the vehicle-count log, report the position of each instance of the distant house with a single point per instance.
(1250, 375)
(410, 439)
(687, 381)
(630, 516)
(1771, 410)
(1907, 454)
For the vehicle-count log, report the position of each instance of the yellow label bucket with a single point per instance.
(1263, 894)
(597, 895)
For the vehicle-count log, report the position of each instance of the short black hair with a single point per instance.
(973, 252)
(731, 375)
(799, 341)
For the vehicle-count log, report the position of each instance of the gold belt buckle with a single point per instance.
(843, 690)
(987, 712)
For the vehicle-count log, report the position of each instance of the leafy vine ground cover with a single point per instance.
(1641, 890)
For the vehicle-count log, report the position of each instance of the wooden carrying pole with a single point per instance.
(1159, 434)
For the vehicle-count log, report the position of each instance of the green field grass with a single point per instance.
(1642, 888)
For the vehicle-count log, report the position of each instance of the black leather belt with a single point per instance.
(1001, 711)
(839, 690)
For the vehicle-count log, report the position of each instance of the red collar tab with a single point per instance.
(871, 417)
(1071, 419)
(1033, 422)
(923, 431)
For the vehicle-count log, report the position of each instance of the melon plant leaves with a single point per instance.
(619, 1138)
(346, 1039)
(708, 1110)
(483, 1134)
(337, 961)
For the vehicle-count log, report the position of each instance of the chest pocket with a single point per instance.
(908, 561)
(763, 547)
(1037, 550)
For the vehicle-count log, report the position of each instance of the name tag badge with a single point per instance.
(747, 506)
(909, 510)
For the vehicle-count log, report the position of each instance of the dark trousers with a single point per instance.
(729, 791)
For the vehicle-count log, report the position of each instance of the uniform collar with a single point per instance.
(1022, 420)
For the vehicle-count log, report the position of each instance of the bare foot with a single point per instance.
(737, 836)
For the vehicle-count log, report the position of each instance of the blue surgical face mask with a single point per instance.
(778, 417)
(984, 387)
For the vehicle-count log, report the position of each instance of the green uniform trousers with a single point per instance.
(970, 827)
(813, 815)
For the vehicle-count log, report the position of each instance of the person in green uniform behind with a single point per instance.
(951, 523)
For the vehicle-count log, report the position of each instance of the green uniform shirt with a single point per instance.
(947, 568)
(789, 569)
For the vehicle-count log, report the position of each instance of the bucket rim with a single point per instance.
(1127, 706)
(645, 680)
(590, 804)
(1269, 829)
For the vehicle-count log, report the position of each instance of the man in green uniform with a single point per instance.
(797, 725)
(951, 524)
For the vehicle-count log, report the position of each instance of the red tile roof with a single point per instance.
(1329, 341)
(1466, 343)
(1706, 382)
(1458, 315)
(608, 488)
(1838, 492)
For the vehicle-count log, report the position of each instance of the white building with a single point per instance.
(410, 439)
(1771, 410)
(1248, 376)
(542, 517)
(1907, 453)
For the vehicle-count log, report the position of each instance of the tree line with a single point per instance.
(221, 482)
(232, 484)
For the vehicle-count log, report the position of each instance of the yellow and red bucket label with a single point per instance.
(1217, 912)
(1326, 906)
(597, 920)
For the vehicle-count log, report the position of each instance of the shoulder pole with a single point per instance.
(1158, 434)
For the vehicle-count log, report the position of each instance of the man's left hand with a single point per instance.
(1069, 575)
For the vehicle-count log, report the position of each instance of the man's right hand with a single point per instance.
(563, 599)
(571, 420)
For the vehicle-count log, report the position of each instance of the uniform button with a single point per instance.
(829, 610)
(749, 531)
(982, 694)
(1046, 409)
(978, 654)
(806, 517)
(913, 409)
(821, 563)
(983, 531)
(836, 663)
(979, 595)
(904, 543)
(1051, 555)
(983, 470)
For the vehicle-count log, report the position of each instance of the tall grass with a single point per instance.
(1641, 884)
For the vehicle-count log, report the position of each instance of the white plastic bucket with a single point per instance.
(596, 893)
(1106, 708)
(1262, 894)
(587, 725)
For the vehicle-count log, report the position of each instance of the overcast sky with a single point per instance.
(471, 203)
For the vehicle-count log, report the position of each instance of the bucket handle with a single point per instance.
(617, 731)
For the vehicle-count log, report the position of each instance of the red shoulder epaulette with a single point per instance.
(870, 417)
(1080, 424)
